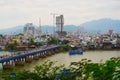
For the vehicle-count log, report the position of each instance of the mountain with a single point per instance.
(70, 28)
(102, 25)
(13, 30)
(45, 28)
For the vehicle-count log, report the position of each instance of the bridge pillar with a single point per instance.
(43, 55)
(53, 51)
(48, 53)
(35, 57)
(7, 66)
(57, 50)
(19, 62)
(28, 59)
(39, 55)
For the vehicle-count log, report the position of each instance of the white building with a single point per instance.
(29, 30)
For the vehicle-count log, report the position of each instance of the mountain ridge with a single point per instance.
(102, 25)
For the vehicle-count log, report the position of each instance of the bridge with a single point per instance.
(20, 59)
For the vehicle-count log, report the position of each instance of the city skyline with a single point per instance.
(19, 12)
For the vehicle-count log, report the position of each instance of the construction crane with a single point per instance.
(53, 14)
(40, 29)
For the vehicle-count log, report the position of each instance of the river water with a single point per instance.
(65, 58)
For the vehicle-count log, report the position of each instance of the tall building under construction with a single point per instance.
(59, 23)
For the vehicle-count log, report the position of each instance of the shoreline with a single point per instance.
(69, 50)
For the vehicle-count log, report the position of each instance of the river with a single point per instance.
(65, 58)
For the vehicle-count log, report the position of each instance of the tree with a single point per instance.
(25, 75)
(31, 42)
(43, 36)
(78, 68)
(81, 70)
(1, 36)
(65, 41)
(104, 71)
(53, 40)
(65, 48)
(46, 71)
(11, 46)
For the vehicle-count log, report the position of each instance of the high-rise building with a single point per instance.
(59, 23)
(59, 26)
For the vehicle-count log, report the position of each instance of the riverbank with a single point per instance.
(64, 58)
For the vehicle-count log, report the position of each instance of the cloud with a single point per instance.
(75, 11)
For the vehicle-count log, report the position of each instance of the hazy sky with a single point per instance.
(20, 12)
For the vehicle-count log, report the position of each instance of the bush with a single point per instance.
(65, 48)
(81, 70)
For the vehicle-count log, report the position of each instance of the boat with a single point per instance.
(72, 52)
(76, 50)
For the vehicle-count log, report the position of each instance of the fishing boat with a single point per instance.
(76, 50)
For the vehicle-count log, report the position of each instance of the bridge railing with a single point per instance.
(24, 54)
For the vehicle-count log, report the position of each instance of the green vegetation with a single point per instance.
(1, 36)
(65, 41)
(43, 36)
(53, 40)
(11, 47)
(82, 70)
(32, 42)
(65, 48)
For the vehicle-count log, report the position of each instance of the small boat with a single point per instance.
(76, 50)
(73, 52)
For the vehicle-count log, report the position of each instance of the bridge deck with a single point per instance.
(24, 55)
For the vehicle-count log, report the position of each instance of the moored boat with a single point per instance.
(72, 52)
(76, 50)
